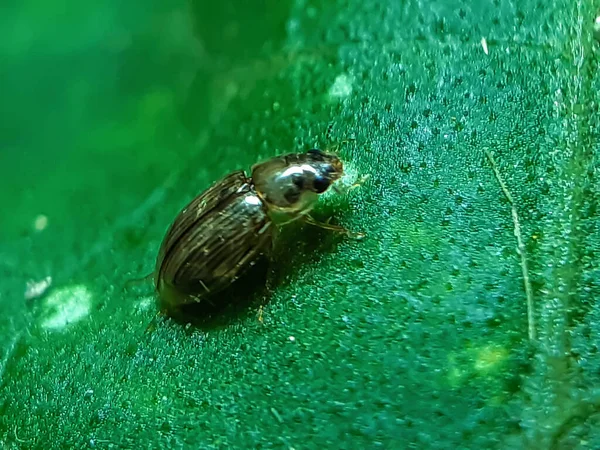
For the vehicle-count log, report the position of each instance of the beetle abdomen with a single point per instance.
(212, 241)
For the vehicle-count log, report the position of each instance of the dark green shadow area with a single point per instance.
(114, 117)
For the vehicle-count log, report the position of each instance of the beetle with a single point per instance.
(227, 228)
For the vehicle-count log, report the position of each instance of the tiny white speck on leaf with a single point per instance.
(36, 289)
(484, 46)
(66, 306)
(292, 338)
(231, 89)
(341, 87)
(40, 223)
(145, 303)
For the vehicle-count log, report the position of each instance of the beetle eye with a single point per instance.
(328, 169)
(321, 184)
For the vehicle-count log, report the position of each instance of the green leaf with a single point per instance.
(467, 316)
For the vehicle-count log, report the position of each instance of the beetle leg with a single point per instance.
(153, 322)
(260, 314)
(337, 228)
(359, 182)
(133, 281)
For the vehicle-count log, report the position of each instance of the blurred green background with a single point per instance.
(113, 116)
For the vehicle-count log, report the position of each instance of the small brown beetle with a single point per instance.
(224, 230)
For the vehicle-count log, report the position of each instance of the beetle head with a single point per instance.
(291, 183)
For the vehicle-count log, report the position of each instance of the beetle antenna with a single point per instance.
(335, 146)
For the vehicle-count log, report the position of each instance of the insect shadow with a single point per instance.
(255, 287)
